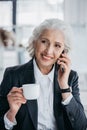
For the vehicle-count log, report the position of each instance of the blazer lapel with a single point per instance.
(58, 111)
(28, 77)
(32, 109)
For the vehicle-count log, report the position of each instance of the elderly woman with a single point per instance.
(58, 106)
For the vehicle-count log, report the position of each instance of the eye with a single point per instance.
(43, 41)
(57, 45)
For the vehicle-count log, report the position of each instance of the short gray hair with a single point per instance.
(51, 24)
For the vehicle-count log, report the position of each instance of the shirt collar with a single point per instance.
(38, 73)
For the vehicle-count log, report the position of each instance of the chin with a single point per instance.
(43, 62)
(46, 64)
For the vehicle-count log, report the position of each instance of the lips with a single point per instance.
(46, 57)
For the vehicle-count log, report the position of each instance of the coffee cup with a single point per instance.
(31, 91)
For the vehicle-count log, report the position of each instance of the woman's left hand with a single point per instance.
(64, 70)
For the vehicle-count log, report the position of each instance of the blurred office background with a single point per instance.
(21, 16)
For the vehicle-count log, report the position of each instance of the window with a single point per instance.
(32, 12)
(5, 14)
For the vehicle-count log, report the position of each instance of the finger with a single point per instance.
(16, 99)
(15, 89)
(15, 94)
(64, 60)
(62, 64)
(65, 64)
(18, 94)
(11, 96)
(19, 100)
(65, 57)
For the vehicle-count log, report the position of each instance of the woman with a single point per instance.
(57, 108)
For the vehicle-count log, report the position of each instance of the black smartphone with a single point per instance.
(64, 51)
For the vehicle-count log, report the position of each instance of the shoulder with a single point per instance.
(20, 68)
(73, 78)
(73, 74)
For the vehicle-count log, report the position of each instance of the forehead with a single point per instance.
(53, 34)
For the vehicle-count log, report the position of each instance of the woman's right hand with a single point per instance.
(15, 99)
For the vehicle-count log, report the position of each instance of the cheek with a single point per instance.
(40, 49)
(36, 47)
(57, 55)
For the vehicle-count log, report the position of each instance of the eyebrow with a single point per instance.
(43, 38)
(59, 43)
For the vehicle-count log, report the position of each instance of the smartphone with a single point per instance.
(62, 67)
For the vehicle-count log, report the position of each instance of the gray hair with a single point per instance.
(51, 24)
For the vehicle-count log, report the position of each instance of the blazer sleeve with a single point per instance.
(5, 87)
(74, 109)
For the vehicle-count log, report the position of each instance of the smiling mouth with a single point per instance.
(47, 57)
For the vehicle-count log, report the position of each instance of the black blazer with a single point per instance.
(68, 117)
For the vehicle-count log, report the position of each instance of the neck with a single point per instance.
(44, 70)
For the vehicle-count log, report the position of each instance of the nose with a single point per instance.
(49, 50)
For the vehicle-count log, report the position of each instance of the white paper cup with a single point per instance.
(31, 91)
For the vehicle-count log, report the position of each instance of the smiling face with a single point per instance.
(48, 48)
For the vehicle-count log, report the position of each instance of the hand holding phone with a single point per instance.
(65, 51)
(63, 71)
